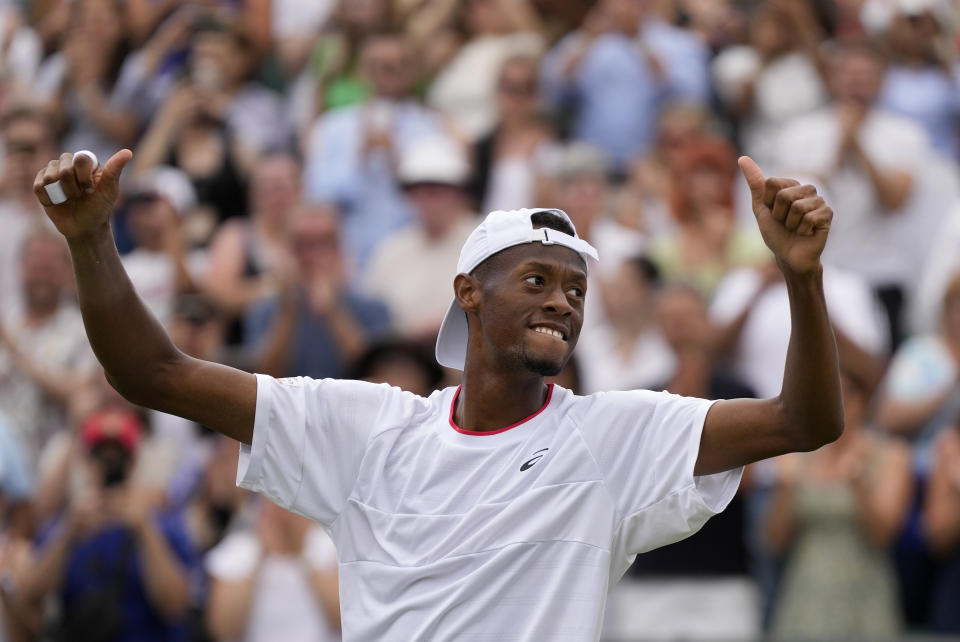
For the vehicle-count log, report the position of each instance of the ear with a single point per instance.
(466, 290)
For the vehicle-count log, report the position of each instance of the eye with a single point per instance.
(576, 292)
(534, 279)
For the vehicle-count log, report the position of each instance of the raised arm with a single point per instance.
(808, 413)
(140, 360)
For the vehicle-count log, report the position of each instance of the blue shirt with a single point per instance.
(615, 94)
(930, 97)
(314, 351)
(363, 185)
(94, 561)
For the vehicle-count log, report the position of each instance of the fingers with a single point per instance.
(772, 187)
(816, 221)
(84, 166)
(754, 177)
(66, 176)
(785, 198)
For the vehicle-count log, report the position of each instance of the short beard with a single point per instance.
(541, 367)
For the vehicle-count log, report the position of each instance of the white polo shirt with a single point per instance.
(446, 534)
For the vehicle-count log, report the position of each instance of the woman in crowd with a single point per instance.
(506, 159)
(837, 511)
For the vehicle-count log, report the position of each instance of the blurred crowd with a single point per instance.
(304, 174)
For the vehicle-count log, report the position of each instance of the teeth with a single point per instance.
(552, 333)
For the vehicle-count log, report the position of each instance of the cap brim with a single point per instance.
(452, 340)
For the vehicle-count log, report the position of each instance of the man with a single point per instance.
(434, 174)
(159, 265)
(352, 151)
(505, 508)
(119, 569)
(28, 138)
(316, 325)
(869, 159)
(618, 70)
(44, 356)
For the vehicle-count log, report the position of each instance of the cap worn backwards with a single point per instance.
(498, 231)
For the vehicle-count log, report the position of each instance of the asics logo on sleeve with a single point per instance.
(536, 457)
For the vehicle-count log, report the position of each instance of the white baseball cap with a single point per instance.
(498, 231)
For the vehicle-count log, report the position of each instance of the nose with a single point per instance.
(556, 301)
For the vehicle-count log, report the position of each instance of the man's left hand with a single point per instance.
(794, 220)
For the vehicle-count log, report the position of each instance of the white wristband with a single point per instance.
(55, 190)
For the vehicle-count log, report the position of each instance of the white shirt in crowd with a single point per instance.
(410, 273)
(60, 345)
(762, 348)
(862, 234)
(446, 534)
(284, 606)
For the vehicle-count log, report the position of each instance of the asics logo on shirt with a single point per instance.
(536, 457)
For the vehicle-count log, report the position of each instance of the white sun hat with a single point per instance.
(498, 231)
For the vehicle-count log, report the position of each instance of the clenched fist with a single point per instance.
(794, 220)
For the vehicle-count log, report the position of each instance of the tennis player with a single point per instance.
(505, 508)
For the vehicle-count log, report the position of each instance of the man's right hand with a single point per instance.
(91, 192)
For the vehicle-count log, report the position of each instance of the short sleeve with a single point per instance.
(310, 436)
(646, 445)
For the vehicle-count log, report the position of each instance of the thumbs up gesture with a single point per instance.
(91, 192)
(794, 220)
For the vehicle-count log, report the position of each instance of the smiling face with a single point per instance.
(525, 308)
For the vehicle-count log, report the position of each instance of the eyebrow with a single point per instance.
(550, 267)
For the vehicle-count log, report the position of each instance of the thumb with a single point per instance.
(110, 177)
(752, 174)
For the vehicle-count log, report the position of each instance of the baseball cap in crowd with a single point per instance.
(164, 182)
(437, 160)
(113, 425)
(498, 231)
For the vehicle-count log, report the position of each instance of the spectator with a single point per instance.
(839, 510)
(711, 567)
(921, 393)
(18, 621)
(44, 354)
(118, 569)
(434, 173)
(752, 328)
(316, 324)
(942, 521)
(508, 158)
(921, 82)
(351, 151)
(707, 240)
(244, 251)
(159, 266)
(464, 88)
(868, 159)
(28, 138)
(214, 124)
(775, 77)
(80, 82)
(616, 92)
(276, 580)
(627, 349)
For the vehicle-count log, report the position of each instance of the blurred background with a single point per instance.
(304, 174)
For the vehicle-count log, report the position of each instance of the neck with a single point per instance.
(490, 402)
